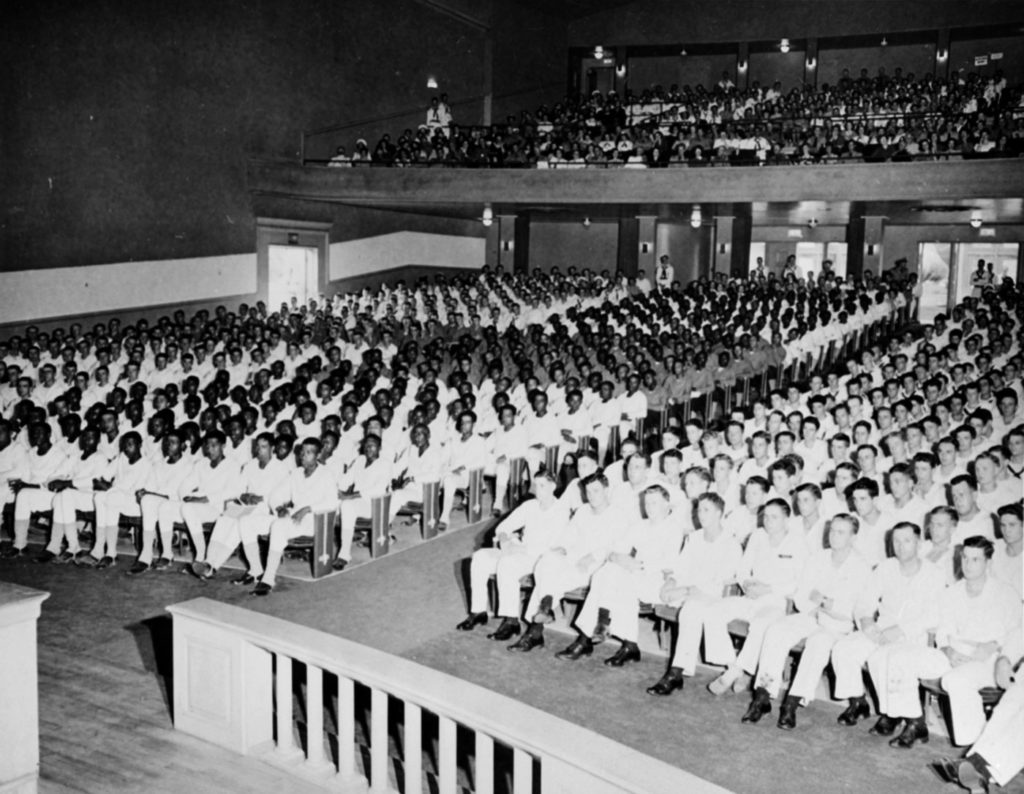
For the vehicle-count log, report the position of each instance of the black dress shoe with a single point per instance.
(64, 558)
(262, 589)
(759, 706)
(533, 638)
(581, 646)
(339, 564)
(855, 712)
(137, 568)
(668, 683)
(46, 556)
(886, 726)
(10, 552)
(475, 619)
(508, 629)
(629, 652)
(914, 731)
(545, 614)
(787, 713)
(107, 562)
(201, 570)
(245, 579)
(161, 564)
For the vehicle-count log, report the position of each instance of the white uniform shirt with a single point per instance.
(128, 477)
(966, 621)
(844, 584)
(536, 524)
(1008, 569)
(166, 478)
(39, 469)
(910, 602)
(368, 479)
(779, 566)
(218, 484)
(318, 491)
(707, 566)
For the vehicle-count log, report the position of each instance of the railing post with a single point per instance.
(446, 756)
(285, 706)
(522, 772)
(19, 687)
(314, 715)
(378, 740)
(346, 729)
(412, 749)
(483, 774)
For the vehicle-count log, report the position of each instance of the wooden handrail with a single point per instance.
(524, 728)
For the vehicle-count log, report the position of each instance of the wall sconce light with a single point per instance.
(293, 238)
(620, 71)
(784, 45)
(488, 217)
(941, 55)
(645, 248)
(599, 52)
(723, 248)
(975, 221)
(813, 222)
(586, 223)
(431, 82)
(741, 66)
(506, 245)
(885, 41)
(682, 52)
(695, 217)
(870, 249)
(811, 63)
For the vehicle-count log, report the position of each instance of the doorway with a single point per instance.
(946, 271)
(294, 276)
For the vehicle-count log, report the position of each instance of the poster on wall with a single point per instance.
(996, 56)
(981, 60)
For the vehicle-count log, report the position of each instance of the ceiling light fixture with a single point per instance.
(975, 221)
(599, 52)
(885, 41)
(784, 45)
(586, 223)
(695, 217)
(488, 217)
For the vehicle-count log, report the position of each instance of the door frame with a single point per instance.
(305, 234)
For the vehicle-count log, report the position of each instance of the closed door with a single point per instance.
(293, 276)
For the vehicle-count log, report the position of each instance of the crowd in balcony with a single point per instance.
(897, 117)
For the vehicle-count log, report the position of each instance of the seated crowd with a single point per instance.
(785, 451)
(872, 119)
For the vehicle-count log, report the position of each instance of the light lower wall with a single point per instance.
(903, 241)
(388, 251)
(33, 295)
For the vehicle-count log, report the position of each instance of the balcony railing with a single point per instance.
(347, 716)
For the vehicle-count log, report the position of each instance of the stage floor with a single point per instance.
(408, 604)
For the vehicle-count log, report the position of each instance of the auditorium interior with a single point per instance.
(789, 223)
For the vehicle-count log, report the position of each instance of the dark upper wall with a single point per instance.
(529, 59)
(694, 21)
(127, 126)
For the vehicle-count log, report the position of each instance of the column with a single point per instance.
(942, 54)
(743, 66)
(505, 242)
(521, 244)
(721, 257)
(864, 251)
(646, 242)
(811, 63)
(627, 261)
(19, 687)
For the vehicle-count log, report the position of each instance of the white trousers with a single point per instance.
(250, 528)
(759, 614)
(553, 575)
(898, 673)
(779, 639)
(158, 514)
(195, 514)
(65, 505)
(283, 530)
(849, 655)
(110, 506)
(619, 591)
(29, 501)
(1000, 741)
(508, 567)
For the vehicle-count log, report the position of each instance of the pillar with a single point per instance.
(864, 249)
(521, 244)
(505, 242)
(721, 255)
(743, 66)
(646, 243)
(811, 63)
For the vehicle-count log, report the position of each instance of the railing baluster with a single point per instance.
(378, 740)
(285, 731)
(346, 729)
(412, 748)
(483, 778)
(446, 756)
(314, 714)
(522, 772)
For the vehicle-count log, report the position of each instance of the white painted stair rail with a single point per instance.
(231, 666)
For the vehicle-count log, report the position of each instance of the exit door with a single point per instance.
(293, 276)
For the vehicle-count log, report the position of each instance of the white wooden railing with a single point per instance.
(19, 688)
(233, 686)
